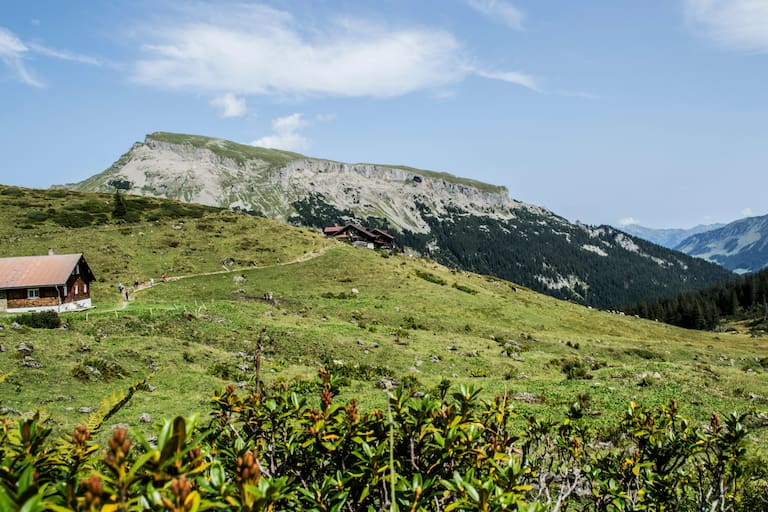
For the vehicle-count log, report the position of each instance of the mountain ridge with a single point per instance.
(740, 246)
(457, 221)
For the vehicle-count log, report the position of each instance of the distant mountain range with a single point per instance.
(741, 246)
(457, 221)
(669, 238)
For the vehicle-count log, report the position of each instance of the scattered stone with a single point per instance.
(756, 398)
(360, 342)
(386, 383)
(648, 375)
(85, 410)
(177, 227)
(434, 359)
(241, 279)
(531, 398)
(28, 362)
(7, 410)
(24, 348)
(512, 355)
(151, 388)
(93, 371)
(374, 345)
(355, 291)
(145, 418)
(16, 325)
(2, 348)
(84, 348)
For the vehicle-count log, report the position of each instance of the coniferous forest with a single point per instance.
(745, 298)
(546, 253)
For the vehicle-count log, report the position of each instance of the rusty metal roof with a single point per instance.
(34, 271)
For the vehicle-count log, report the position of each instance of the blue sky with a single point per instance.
(600, 110)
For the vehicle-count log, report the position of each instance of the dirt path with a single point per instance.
(143, 286)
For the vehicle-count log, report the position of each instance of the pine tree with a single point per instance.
(120, 208)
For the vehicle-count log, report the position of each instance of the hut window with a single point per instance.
(85, 288)
(33, 293)
(77, 290)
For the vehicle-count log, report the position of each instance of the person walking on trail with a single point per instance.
(120, 287)
(165, 277)
(126, 295)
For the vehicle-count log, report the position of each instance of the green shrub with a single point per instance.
(465, 289)
(41, 320)
(37, 216)
(432, 278)
(98, 369)
(575, 369)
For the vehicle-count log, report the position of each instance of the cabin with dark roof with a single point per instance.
(361, 236)
(40, 283)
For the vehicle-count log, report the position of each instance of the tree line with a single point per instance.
(745, 298)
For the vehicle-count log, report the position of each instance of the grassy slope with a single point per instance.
(399, 324)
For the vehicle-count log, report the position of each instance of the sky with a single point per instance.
(603, 111)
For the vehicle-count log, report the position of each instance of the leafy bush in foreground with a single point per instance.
(269, 449)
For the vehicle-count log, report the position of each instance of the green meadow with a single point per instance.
(249, 298)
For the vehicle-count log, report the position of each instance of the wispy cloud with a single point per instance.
(64, 54)
(736, 24)
(230, 105)
(500, 11)
(13, 51)
(259, 50)
(285, 134)
(747, 212)
(511, 77)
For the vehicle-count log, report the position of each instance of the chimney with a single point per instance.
(50, 251)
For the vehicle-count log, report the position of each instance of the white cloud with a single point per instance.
(258, 50)
(64, 54)
(737, 24)
(511, 77)
(13, 52)
(628, 221)
(285, 134)
(501, 11)
(747, 212)
(230, 105)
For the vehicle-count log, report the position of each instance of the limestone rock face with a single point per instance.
(221, 173)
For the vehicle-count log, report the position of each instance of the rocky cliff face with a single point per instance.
(457, 221)
(205, 172)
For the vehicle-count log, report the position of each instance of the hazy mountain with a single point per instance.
(670, 237)
(457, 221)
(741, 246)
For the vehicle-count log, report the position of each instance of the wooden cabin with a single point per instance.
(39, 283)
(362, 236)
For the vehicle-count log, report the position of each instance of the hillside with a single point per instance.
(301, 302)
(458, 222)
(741, 246)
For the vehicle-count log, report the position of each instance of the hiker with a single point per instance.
(151, 281)
(165, 277)
(126, 295)
(120, 287)
(135, 283)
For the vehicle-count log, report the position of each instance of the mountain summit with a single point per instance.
(460, 222)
